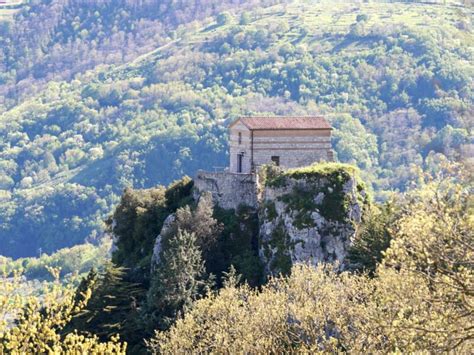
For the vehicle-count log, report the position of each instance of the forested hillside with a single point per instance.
(53, 40)
(395, 80)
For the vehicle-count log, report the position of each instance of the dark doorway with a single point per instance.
(240, 159)
(276, 160)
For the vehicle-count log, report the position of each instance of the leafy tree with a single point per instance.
(362, 17)
(309, 311)
(237, 246)
(223, 18)
(33, 324)
(199, 221)
(138, 220)
(427, 277)
(245, 18)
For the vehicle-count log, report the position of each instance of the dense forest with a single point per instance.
(397, 91)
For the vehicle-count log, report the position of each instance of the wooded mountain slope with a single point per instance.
(55, 39)
(394, 79)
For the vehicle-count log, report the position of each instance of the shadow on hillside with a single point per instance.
(211, 27)
(160, 161)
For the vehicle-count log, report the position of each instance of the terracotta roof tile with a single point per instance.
(293, 122)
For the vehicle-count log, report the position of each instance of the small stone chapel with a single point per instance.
(289, 142)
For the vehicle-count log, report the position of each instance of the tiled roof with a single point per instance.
(275, 123)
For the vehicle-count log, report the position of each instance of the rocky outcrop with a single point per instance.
(165, 229)
(309, 216)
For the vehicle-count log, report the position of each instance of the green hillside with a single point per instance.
(394, 79)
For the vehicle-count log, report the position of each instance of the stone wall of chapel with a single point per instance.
(228, 190)
(295, 148)
(236, 148)
(293, 158)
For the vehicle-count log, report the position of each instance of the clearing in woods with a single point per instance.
(9, 7)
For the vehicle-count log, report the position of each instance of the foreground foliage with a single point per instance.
(417, 295)
(32, 325)
(420, 298)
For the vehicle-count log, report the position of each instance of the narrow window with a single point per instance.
(276, 160)
(239, 162)
(240, 137)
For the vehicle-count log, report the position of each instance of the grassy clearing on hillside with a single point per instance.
(10, 7)
(321, 19)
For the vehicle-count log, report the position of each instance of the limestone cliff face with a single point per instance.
(309, 217)
(167, 225)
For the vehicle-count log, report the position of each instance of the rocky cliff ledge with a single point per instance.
(309, 215)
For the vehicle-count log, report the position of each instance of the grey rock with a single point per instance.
(167, 225)
(322, 241)
(317, 240)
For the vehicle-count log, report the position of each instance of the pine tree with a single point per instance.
(112, 307)
(179, 280)
(373, 238)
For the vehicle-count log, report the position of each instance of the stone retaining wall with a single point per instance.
(229, 190)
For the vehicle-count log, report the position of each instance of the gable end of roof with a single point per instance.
(283, 123)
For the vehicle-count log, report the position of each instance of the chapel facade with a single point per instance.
(288, 142)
